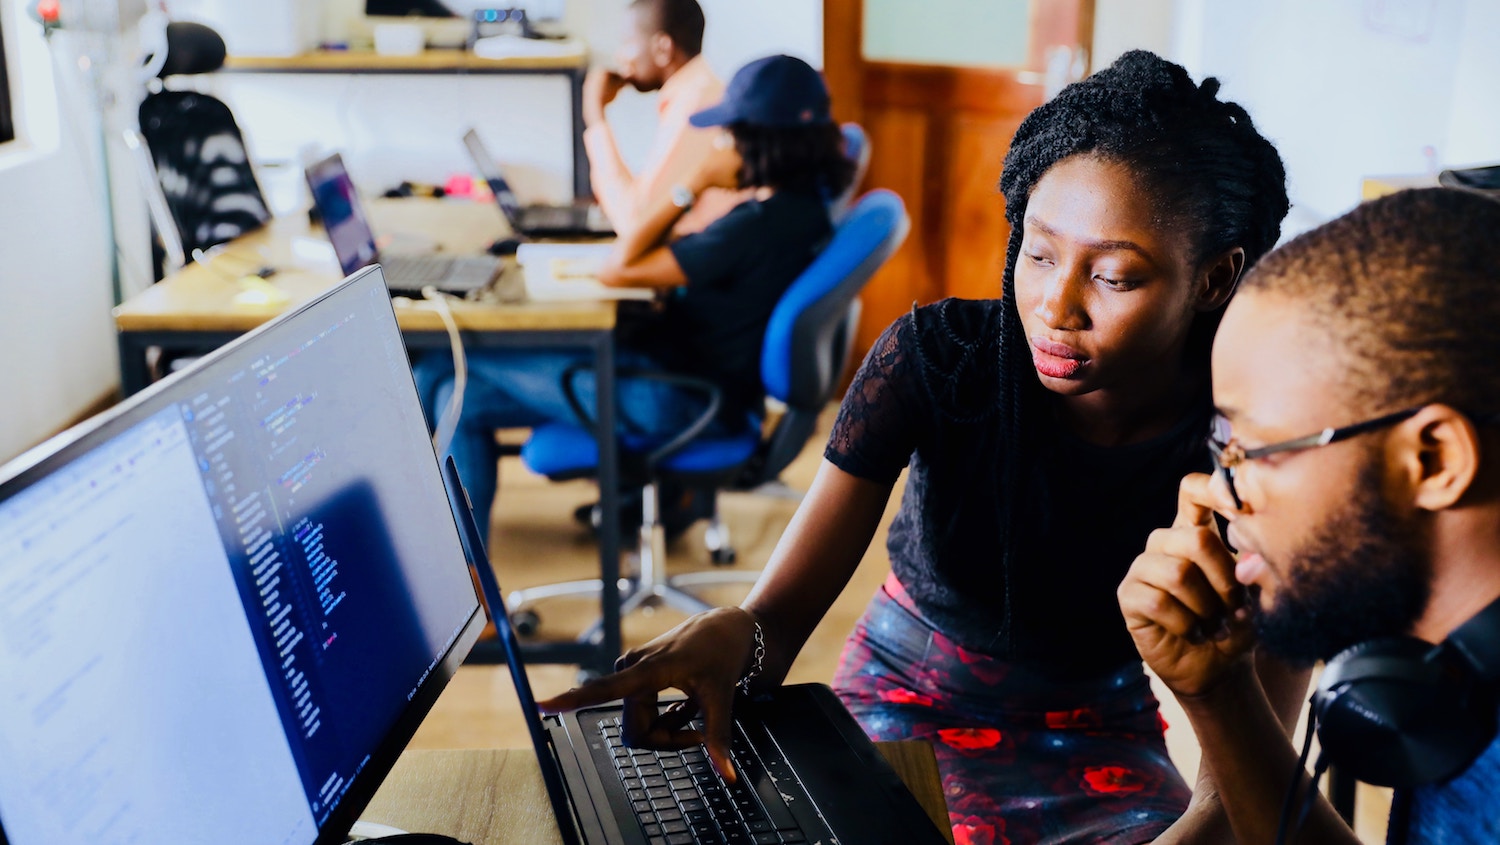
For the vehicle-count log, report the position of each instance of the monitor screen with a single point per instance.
(225, 606)
(504, 196)
(343, 217)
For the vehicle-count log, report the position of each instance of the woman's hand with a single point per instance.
(1182, 604)
(704, 657)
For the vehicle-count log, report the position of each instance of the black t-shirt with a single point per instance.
(927, 395)
(737, 269)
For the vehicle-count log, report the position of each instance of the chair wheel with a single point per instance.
(722, 557)
(526, 622)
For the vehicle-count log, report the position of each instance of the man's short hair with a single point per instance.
(1408, 288)
(681, 20)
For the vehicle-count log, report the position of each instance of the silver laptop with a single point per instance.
(536, 221)
(354, 242)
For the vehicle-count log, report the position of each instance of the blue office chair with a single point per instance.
(806, 346)
(857, 149)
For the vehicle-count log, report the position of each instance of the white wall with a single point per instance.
(1354, 88)
(56, 334)
(391, 128)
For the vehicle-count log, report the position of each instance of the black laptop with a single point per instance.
(353, 241)
(226, 605)
(536, 221)
(808, 774)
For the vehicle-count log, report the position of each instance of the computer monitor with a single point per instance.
(226, 605)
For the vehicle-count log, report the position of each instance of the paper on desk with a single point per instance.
(569, 271)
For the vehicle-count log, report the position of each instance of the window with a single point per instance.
(7, 125)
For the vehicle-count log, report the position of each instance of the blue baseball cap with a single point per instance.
(777, 91)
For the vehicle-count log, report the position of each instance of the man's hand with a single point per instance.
(600, 88)
(1181, 602)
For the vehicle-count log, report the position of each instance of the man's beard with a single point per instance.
(1361, 576)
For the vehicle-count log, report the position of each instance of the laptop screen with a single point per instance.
(225, 606)
(343, 217)
(510, 206)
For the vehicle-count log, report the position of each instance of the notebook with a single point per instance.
(226, 605)
(354, 242)
(808, 773)
(536, 221)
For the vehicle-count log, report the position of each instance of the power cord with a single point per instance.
(447, 423)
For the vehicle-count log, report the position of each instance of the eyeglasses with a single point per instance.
(1228, 454)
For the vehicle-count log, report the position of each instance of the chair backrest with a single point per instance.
(810, 333)
(202, 166)
(857, 149)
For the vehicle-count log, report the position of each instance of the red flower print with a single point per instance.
(985, 669)
(1083, 717)
(905, 696)
(973, 830)
(970, 739)
(1112, 779)
(896, 590)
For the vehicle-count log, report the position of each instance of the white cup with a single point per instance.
(398, 39)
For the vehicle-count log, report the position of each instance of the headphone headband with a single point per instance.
(1478, 640)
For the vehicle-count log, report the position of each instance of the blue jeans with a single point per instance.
(522, 388)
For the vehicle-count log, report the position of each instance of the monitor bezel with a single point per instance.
(38, 463)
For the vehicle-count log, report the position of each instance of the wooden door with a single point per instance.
(938, 135)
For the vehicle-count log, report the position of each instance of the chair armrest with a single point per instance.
(677, 442)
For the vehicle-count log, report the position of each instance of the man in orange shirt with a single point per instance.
(661, 52)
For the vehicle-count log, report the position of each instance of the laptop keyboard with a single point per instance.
(679, 799)
(461, 272)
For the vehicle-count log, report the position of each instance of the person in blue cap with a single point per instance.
(718, 286)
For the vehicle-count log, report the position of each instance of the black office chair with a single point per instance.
(806, 347)
(198, 151)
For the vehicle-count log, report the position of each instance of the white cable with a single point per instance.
(447, 422)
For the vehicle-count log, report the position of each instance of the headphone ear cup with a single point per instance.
(1394, 712)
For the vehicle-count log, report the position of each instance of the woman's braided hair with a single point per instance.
(1201, 160)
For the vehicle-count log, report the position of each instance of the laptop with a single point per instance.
(226, 605)
(354, 242)
(808, 774)
(536, 221)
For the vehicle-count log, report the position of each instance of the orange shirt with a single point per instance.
(678, 149)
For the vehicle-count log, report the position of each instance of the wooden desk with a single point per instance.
(573, 67)
(195, 311)
(496, 796)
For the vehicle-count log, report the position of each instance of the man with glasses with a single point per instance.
(1357, 374)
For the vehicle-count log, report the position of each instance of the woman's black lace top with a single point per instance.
(927, 396)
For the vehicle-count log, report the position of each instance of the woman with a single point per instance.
(781, 143)
(1046, 433)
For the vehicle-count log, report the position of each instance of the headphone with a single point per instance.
(1401, 712)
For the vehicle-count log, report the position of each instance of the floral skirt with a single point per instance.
(1024, 759)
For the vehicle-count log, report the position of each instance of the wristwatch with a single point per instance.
(682, 196)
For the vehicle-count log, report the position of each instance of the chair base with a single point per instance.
(649, 587)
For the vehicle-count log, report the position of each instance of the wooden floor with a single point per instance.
(534, 540)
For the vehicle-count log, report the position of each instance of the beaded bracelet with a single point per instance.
(757, 661)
